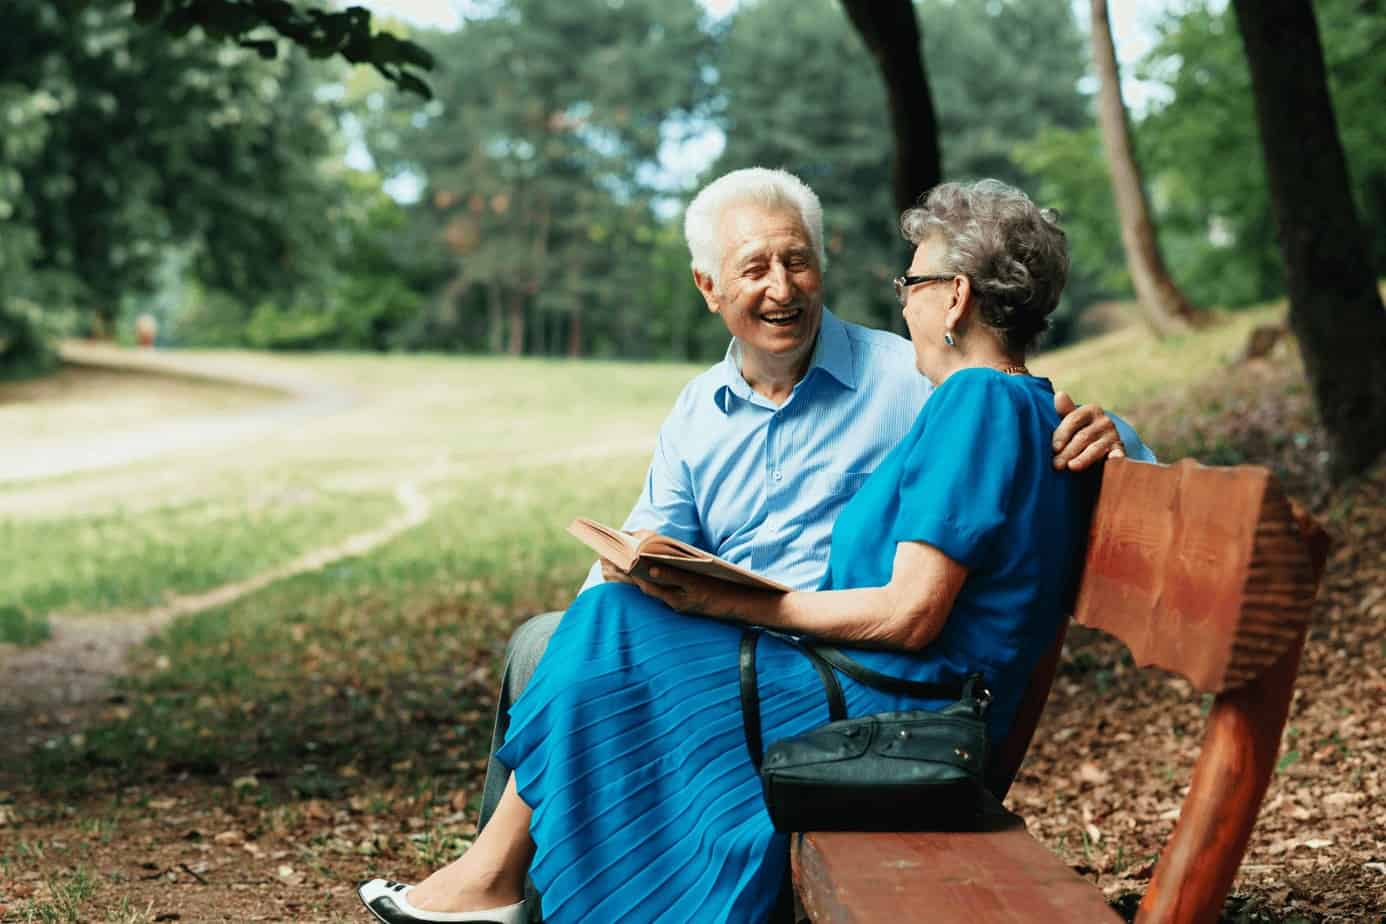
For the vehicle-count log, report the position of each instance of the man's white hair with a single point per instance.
(772, 189)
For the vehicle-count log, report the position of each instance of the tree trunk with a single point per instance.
(516, 345)
(495, 317)
(575, 331)
(891, 34)
(1335, 308)
(1162, 304)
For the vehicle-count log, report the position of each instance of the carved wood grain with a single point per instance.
(1002, 876)
(1234, 768)
(1201, 571)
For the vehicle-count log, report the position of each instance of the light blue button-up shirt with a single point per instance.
(760, 485)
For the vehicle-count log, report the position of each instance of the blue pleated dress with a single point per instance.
(628, 742)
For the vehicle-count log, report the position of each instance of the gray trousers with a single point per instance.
(522, 656)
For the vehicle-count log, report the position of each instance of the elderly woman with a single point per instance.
(633, 798)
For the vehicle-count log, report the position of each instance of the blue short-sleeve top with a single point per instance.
(974, 478)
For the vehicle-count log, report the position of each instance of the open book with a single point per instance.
(635, 556)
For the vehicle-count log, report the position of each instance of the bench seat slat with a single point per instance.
(1001, 875)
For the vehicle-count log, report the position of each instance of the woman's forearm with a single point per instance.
(908, 613)
(870, 617)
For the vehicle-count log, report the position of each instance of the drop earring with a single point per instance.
(948, 338)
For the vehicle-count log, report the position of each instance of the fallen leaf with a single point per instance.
(1091, 773)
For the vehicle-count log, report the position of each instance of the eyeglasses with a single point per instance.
(903, 284)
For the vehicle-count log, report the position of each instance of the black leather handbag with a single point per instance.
(892, 771)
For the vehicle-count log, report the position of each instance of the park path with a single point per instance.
(52, 681)
(302, 397)
(56, 685)
(76, 664)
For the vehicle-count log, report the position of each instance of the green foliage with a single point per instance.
(369, 291)
(27, 335)
(129, 145)
(19, 627)
(537, 160)
(822, 118)
(1070, 175)
(321, 33)
(1201, 154)
(1000, 73)
(25, 330)
(172, 171)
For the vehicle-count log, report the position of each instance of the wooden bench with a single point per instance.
(1206, 572)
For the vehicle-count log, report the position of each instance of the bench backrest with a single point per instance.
(1209, 573)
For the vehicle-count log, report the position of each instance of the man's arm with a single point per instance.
(666, 506)
(1087, 435)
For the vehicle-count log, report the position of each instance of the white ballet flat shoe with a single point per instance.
(389, 902)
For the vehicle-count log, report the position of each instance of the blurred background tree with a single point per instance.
(1162, 304)
(534, 204)
(538, 167)
(1001, 73)
(1336, 309)
(1202, 157)
(134, 149)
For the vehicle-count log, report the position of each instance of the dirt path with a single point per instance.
(303, 398)
(73, 669)
(59, 682)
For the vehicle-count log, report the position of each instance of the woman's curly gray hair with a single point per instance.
(1014, 252)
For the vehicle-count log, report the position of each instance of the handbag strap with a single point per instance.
(750, 689)
(824, 658)
(918, 688)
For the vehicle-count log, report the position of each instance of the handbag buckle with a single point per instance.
(975, 688)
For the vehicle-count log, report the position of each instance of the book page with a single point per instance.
(635, 558)
(613, 545)
(666, 547)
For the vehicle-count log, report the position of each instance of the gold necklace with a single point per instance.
(1015, 369)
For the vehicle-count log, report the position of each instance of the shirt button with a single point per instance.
(777, 474)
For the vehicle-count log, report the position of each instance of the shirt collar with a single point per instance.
(832, 353)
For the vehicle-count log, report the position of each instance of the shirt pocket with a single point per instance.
(840, 482)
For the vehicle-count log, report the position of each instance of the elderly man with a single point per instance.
(762, 451)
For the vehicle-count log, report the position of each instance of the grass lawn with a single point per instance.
(334, 725)
(492, 430)
(1130, 369)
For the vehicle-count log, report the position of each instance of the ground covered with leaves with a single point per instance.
(262, 757)
(1121, 742)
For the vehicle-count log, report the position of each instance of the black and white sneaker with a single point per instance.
(389, 902)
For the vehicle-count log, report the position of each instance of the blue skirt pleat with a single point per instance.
(628, 745)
